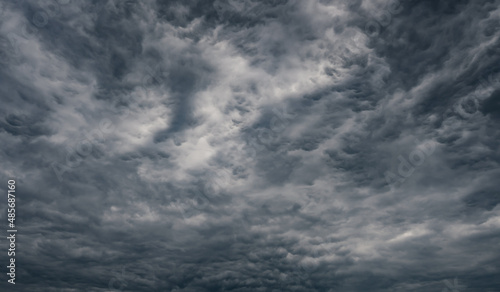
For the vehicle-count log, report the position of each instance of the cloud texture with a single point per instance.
(241, 145)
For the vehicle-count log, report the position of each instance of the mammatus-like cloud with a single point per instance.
(240, 145)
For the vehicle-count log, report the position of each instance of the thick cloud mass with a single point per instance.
(244, 145)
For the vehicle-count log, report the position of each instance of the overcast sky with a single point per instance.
(243, 145)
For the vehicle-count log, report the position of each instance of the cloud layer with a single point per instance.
(241, 145)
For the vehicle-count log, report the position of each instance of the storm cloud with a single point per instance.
(244, 145)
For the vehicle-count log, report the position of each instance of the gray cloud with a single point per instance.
(241, 145)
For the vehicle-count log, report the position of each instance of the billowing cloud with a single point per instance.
(242, 145)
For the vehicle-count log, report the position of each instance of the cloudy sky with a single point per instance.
(244, 145)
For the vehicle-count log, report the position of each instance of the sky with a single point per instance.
(244, 145)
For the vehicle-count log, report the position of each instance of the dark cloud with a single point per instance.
(242, 145)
